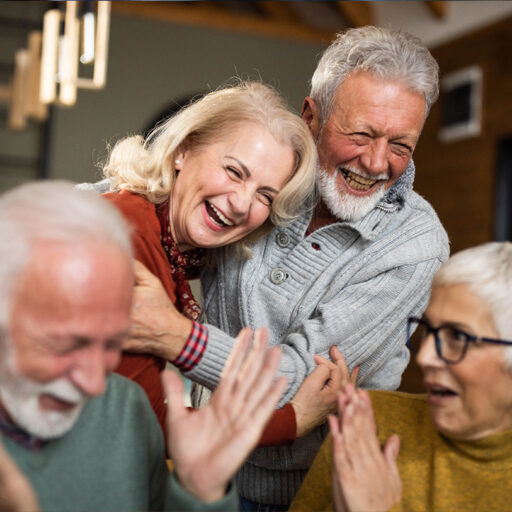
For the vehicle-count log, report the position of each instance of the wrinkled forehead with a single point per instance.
(368, 83)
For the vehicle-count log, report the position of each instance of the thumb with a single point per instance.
(142, 275)
(319, 375)
(174, 391)
(392, 449)
(322, 360)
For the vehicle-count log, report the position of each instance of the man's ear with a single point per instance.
(311, 116)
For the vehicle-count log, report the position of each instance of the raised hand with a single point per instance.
(207, 446)
(157, 327)
(16, 493)
(317, 396)
(365, 476)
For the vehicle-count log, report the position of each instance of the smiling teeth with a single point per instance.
(221, 216)
(356, 181)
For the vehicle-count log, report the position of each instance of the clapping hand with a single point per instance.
(365, 476)
(208, 446)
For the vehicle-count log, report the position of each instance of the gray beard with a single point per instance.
(20, 398)
(343, 205)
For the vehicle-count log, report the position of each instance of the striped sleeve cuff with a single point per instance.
(194, 348)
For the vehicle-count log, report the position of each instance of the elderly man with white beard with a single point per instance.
(351, 270)
(84, 438)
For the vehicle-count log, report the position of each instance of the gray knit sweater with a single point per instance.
(352, 284)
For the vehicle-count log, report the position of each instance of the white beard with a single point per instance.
(344, 205)
(20, 398)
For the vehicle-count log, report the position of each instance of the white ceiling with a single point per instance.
(461, 17)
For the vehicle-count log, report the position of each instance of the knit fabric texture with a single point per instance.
(111, 460)
(350, 284)
(438, 474)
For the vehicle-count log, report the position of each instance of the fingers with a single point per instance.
(257, 374)
(342, 374)
(336, 355)
(315, 381)
(237, 356)
(16, 492)
(142, 275)
(267, 402)
(174, 392)
(6, 464)
(322, 360)
(353, 375)
(252, 390)
(391, 451)
(334, 425)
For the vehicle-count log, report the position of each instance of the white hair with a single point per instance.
(487, 270)
(51, 211)
(387, 54)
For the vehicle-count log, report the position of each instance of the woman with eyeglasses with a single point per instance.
(447, 450)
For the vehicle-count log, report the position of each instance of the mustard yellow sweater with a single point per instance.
(438, 474)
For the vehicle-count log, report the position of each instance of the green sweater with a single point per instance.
(438, 474)
(112, 460)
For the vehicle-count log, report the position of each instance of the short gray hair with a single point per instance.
(387, 54)
(47, 211)
(487, 270)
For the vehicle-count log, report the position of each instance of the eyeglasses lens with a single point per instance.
(452, 342)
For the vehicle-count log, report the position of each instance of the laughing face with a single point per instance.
(225, 190)
(68, 322)
(471, 399)
(366, 143)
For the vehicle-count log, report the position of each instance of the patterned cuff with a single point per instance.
(193, 349)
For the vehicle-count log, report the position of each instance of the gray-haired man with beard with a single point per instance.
(351, 271)
(84, 438)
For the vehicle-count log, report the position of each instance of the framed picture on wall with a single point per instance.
(461, 104)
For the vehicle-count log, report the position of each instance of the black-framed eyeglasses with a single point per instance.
(451, 343)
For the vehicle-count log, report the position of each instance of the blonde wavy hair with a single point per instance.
(146, 167)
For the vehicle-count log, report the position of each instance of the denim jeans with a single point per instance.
(246, 505)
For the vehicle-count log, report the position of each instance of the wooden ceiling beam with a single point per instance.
(357, 14)
(203, 14)
(278, 10)
(437, 8)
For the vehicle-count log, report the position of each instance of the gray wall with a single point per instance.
(152, 63)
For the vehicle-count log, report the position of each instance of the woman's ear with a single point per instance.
(311, 116)
(179, 156)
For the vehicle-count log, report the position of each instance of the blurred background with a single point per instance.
(161, 54)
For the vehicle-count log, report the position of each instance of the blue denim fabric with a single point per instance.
(251, 506)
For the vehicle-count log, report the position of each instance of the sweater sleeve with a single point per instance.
(178, 499)
(362, 308)
(365, 319)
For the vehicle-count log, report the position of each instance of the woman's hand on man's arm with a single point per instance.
(157, 327)
(317, 396)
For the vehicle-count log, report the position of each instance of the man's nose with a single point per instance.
(89, 371)
(375, 157)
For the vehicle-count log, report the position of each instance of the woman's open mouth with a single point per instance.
(438, 394)
(217, 217)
